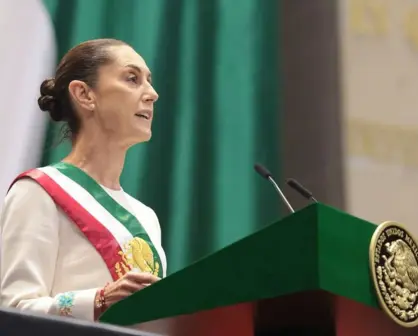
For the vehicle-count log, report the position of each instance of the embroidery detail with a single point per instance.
(65, 303)
(121, 268)
(138, 255)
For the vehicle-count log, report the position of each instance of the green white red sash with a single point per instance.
(116, 234)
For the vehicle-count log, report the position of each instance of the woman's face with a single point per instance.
(124, 98)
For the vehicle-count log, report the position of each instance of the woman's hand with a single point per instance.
(130, 283)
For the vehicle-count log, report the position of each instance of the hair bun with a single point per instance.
(47, 101)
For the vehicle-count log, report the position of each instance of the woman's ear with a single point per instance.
(82, 95)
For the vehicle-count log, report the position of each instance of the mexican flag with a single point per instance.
(28, 56)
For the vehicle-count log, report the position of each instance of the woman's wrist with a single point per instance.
(100, 303)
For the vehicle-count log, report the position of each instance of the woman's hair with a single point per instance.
(80, 63)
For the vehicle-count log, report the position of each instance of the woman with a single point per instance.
(73, 242)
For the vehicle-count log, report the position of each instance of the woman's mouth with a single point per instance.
(144, 114)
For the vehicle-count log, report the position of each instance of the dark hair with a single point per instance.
(80, 63)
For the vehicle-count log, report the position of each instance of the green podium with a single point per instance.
(307, 274)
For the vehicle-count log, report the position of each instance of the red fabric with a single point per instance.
(355, 319)
(224, 321)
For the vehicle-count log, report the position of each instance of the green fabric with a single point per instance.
(215, 67)
(122, 215)
(317, 248)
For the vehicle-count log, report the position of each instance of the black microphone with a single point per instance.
(263, 171)
(300, 189)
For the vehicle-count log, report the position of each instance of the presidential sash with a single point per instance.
(117, 235)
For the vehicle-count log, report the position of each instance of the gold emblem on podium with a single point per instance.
(394, 267)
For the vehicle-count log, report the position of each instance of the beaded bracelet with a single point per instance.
(101, 300)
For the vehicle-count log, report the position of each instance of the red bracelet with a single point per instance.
(101, 300)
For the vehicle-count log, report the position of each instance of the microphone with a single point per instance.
(263, 171)
(300, 189)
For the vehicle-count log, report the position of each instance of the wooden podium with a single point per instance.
(307, 274)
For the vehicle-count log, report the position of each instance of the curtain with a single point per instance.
(215, 66)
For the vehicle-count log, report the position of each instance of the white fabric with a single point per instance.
(43, 254)
(28, 56)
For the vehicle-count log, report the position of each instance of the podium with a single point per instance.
(307, 274)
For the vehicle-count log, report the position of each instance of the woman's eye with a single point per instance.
(133, 79)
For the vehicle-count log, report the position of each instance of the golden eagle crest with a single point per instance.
(394, 267)
(137, 255)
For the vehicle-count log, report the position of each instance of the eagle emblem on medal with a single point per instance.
(394, 267)
(137, 255)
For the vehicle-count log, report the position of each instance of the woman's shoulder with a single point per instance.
(27, 207)
(26, 192)
(26, 185)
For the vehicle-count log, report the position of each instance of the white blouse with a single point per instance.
(44, 255)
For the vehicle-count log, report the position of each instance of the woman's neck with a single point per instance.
(99, 157)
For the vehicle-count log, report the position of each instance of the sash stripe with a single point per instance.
(122, 215)
(95, 232)
(87, 201)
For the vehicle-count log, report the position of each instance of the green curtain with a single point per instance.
(215, 65)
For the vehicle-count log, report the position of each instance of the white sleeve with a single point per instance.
(29, 222)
